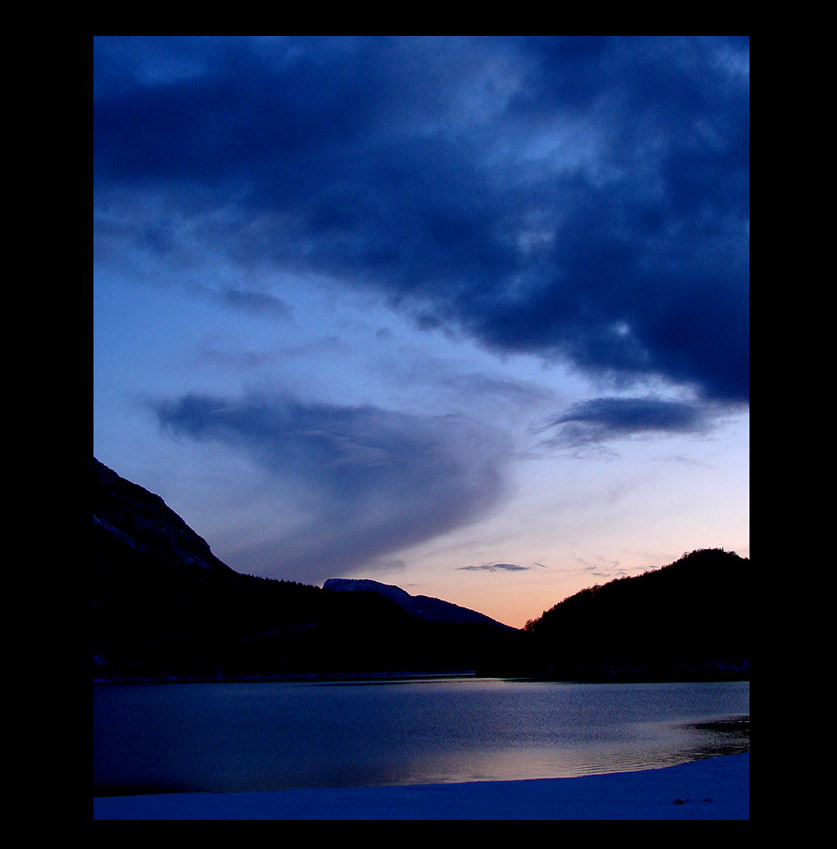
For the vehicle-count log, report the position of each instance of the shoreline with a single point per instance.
(714, 788)
(395, 676)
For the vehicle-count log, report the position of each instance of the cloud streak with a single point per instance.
(494, 567)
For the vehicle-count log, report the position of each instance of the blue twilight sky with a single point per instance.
(469, 315)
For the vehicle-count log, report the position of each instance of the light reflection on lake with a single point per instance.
(263, 736)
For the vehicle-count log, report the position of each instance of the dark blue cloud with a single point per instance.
(376, 481)
(576, 198)
(602, 419)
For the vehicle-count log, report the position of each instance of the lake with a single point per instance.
(166, 738)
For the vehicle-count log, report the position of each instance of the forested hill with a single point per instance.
(690, 619)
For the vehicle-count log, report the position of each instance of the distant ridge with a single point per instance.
(425, 607)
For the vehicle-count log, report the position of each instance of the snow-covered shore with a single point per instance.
(709, 789)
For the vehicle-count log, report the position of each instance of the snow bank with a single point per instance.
(709, 789)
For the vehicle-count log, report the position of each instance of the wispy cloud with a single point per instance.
(244, 359)
(375, 481)
(260, 303)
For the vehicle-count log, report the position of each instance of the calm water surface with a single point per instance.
(166, 738)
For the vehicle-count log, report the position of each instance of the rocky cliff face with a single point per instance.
(140, 521)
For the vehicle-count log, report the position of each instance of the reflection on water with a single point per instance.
(226, 737)
(642, 746)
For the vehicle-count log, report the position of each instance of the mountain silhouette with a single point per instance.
(164, 607)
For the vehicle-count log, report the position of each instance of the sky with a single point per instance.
(468, 315)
